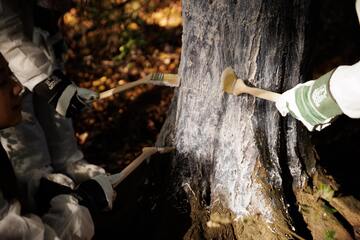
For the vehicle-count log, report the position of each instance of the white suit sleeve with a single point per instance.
(358, 8)
(345, 88)
(15, 226)
(29, 63)
(69, 219)
(65, 220)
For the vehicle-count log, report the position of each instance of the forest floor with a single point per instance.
(114, 42)
(111, 43)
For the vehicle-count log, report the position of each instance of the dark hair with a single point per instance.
(8, 181)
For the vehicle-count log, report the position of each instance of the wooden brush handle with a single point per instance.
(124, 87)
(117, 178)
(261, 93)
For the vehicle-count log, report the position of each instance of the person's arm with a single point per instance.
(67, 212)
(66, 219)
(34, 69)
(97, 193)
(15, 226)
(316, 103)
(345, 88)
(357, 6)
(28, 62)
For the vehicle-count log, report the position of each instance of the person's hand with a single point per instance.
(64, 95)
(47, 190)
(311, 103)
(97, 194)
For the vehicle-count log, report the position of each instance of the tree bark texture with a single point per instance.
(239, 162)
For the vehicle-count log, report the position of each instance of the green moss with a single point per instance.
(330, 235)
(325, 191)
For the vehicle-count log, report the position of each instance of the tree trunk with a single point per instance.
(243, 167)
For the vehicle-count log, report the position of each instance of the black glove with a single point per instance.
(48, 190)
(96, 194)
(63, 95)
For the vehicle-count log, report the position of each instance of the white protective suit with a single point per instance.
(30, 62)
(66, 219)
(345, 88)
(43, 141)
(318, 102)
(345, 84)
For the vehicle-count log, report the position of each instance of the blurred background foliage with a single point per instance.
(111, 43)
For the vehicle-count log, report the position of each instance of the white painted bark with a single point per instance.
(229, 148)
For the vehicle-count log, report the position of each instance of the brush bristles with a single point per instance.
(157, 77)
(228, 80)
(167, 79)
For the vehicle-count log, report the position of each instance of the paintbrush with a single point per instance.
(117, 178)
(233, 85)
(162, 79)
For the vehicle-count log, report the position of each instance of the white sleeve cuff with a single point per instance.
(65, 98)
(345, 88)
(357, 6)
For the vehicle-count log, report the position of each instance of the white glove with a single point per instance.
(311, 103)
(64, 95)
(81, 170)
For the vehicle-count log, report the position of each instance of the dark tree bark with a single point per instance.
(246, 171)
